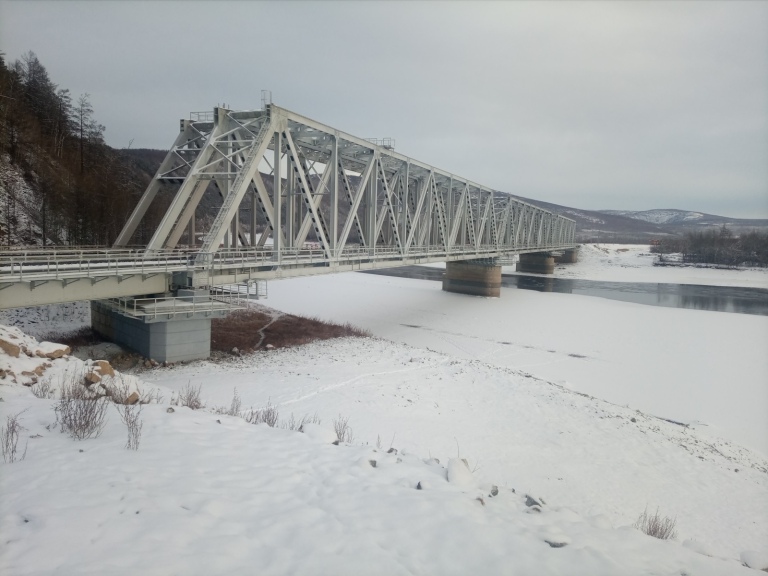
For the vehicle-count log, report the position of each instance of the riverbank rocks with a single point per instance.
(51, 350)
(9, 347)
(97, 370)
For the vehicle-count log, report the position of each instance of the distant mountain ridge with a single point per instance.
(685, 218)
(641, 226)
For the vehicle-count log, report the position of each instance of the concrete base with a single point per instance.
(569, 257)
(170, 341)
(536, 263)
(472, 278)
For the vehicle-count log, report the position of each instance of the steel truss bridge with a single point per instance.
(299, 197)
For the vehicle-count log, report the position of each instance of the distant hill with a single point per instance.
(687, 218)
(641, 226)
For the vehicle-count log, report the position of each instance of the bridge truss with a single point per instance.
(298, 180)
(297, 197)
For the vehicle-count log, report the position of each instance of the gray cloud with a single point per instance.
(631, 105)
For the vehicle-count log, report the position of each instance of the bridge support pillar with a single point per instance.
(536, 263)
(570, 256)
(171, 340)
(473, 278)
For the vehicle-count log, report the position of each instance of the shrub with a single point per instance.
(131, 417)
(293, 424)
(190, 397)
(118, 389)
(80, 413)
(9, 439)
(268, 415)
(656, 526)
(343, 431)
(43, 389)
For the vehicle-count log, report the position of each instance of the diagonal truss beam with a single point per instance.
(289, 172)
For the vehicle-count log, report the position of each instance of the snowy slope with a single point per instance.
(18, 207)
(208, 493)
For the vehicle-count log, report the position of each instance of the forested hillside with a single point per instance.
(59, 182)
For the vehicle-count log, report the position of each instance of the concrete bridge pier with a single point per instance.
(473, 277)
(536, 263)
(165, 329)
(570, 256)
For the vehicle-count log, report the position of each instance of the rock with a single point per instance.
(458, 472)
(154, 363)
(372, 463)
(133, 397)
(147, 364)
(754, 559)
(92, 378)
(479, 499)
(235, 351)
(633, 419)
(104, 367)
(556, 543)
(2, 374)
(529, 501)
(269, 347)
(170, 410)
(494, 491)
(392, 451)
(9, 348)
(418, 486)
(39, 370)
(27, 373)
(58, 352)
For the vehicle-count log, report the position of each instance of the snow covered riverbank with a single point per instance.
(207, 492)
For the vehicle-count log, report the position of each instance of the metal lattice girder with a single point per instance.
(303, 184)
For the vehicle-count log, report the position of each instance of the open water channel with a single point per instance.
(695, 296)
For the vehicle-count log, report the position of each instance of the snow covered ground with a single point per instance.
(209, 493)
(510, 384)
(703, 368)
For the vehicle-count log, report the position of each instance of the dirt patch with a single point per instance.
(76, 339)
(255, 329)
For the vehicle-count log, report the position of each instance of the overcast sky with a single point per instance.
(597, 105)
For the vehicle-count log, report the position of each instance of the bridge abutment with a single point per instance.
(536, 263)
(473, 278)
(164, 337)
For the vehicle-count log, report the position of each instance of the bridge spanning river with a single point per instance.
(324, 201)
(297, 198)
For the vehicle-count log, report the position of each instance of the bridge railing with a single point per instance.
(68, 264)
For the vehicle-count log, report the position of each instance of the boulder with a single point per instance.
(132, 398)
(104, 368)
(92, 377)
(66, 351)
(52, 351)
(9, 348)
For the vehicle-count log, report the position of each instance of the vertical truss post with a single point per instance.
(333, 166)
(277, 185)
(290, 204)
